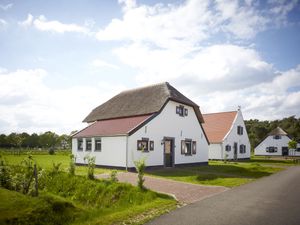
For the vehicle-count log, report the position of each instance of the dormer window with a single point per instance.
(181, 111)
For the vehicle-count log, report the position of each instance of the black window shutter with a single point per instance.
(194, 150)
(182, 147)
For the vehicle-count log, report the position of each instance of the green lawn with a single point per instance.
(46, 161)
(228, 174)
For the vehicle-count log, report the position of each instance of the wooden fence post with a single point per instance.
(35, 180)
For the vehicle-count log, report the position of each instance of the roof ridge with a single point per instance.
(139, 88)
(220, 112)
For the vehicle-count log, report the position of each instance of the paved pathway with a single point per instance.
(184, 192)
(273, 200)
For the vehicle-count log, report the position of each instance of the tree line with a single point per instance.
(44, 140)
(258, 130)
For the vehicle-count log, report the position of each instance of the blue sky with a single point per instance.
(60, 59)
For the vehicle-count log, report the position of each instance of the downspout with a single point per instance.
(126, 152)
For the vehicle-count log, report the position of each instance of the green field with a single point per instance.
(46, 161)
(67, 199)
(229, 174)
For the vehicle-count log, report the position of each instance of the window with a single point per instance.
(240, 130)
(88, 144)
(242, 149)
(188, 147)
(151, 145)
(142, 145)
(80, 144)
(271, 149)
(180, 110)
(98, 145)
(276, 137)
(186, 112)
(228, 148)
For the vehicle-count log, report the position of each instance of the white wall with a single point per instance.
(232, 137)
(113, 151)
(169, 124)
(269, 142)
(215, 151)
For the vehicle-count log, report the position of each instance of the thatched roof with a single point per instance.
(140, 101)
(277, 131)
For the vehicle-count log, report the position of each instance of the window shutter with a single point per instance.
(182, 147)
(194, 150)
(242, 130)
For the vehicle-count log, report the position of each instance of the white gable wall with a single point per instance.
(217, 151)
(113, 151)
(169, 124)
(269, 142)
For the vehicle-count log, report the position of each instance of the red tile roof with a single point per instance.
(217, 125)
(112, 127)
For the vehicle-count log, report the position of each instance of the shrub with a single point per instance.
(72, 165)
(55, 167)
(5, 174)
(140, 166)
(113, 176)
(51, 151)
(91, 166)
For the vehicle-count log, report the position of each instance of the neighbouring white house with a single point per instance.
(276, 144)
(156, 122)
(227, 134)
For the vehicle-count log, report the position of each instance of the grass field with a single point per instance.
(74, 200)
(46, 161)
(229, 174)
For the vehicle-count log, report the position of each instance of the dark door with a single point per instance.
(235, 150)
(285, 151)
(168, 152)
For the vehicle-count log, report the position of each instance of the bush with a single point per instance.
(91, 166)
(113, 176)
(72, 165)
(51, 151)
(140, 166)
(5, 174)
(55, 167)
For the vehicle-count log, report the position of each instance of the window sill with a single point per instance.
(79, 150)
(97, 150)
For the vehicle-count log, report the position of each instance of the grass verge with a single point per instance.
(229, 174)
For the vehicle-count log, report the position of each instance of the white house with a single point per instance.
(156, 122)
(227, 134)
(276, 144)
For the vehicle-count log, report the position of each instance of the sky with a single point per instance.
(60, 59)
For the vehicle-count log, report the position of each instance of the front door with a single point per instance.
(285, 151)
(168, 152)
(235, 150)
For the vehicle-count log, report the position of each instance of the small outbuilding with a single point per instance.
(227, 134)
(155, 122)
(276, 144)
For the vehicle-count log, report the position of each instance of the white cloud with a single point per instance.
(192, 22)
(6, 7)
(3, 23)
(41, 23)
(27, 104)
(28, 22)
(102, 63)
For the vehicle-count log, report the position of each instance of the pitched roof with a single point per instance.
(113, 127)
(217, 125)
(140, 101)
(277, 131)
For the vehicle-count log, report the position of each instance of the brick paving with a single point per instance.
(185, 193)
